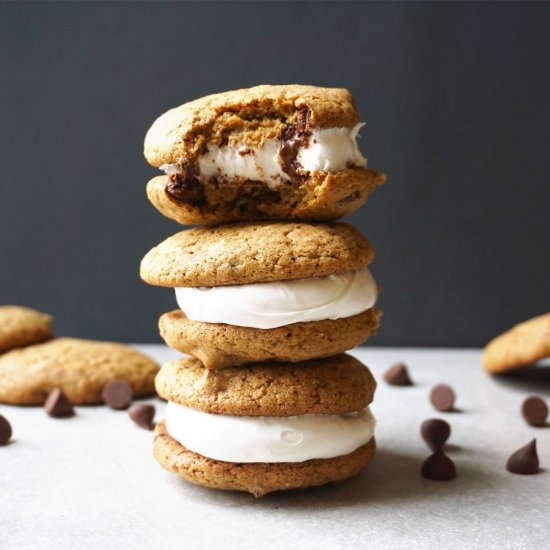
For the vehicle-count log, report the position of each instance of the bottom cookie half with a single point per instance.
(256, 478)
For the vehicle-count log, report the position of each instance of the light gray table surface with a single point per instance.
(91, 481)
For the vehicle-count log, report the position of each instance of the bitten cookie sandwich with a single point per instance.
(265, 292)
(268, 152)
(22, 326)
(80, 368)
(266, 427)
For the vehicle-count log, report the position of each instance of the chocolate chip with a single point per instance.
(534, 410)
(143, 415)
(5, 431)
(293, 138)
(442, 397)
(435, 432)
(398, 375)
(185, 187)
(58, 405)
(117, 394)
(524, 461)
(438, 467)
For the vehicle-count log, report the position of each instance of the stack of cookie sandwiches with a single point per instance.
(271, 292)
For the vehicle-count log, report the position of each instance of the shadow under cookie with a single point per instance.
(220, 345)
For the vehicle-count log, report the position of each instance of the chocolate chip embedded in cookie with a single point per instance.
(261, 153)
(22, 326)
(237, 254)
(522, 345)
(221, 345)
(266, 427)
(79, 368)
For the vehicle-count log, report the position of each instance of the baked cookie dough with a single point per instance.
(522, 345)
(22, 326)
(334, 385)
(260, 153)
(80, 368)
(220, 345)
(257, 478)
(237, 254)
(268, 426)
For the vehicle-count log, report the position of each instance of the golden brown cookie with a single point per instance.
(522, 345)
(78, 367)
(335, 385)
(257, 478)
(249, 116)
(22, 326)
(324, 196)
(255, 253)
(220, 345)
(187, 142)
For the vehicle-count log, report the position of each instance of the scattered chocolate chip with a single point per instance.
(58, 405)
(5, 431)
(442, 397)
(398, 375)
(117, 394)
(438, 467)
(525, 460)
(143, 415)
(534, 410)
(186, 187)
(435, 432)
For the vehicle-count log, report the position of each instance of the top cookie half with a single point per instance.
(266, 152)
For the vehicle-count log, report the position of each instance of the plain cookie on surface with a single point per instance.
(255, 253)
(245, 120)
(220, 345)
(522, 345)
(22, 326)
(80, 368)
(334, 385)
(258, 478)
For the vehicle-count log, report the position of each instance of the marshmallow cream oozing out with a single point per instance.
(267, 438)
(280, 303)
(328, 149)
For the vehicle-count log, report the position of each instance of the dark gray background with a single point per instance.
(456, 97)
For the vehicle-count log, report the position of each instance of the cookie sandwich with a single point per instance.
(268, 152)
(281, 291)
(266, 427)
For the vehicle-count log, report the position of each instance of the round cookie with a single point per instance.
(22, 326)
(522, 345)
(208, 148)
(249, 115)
(257, 478)
(255, 253)
(221, 345)
(325, 196)
(80, 368)
(335, 385)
